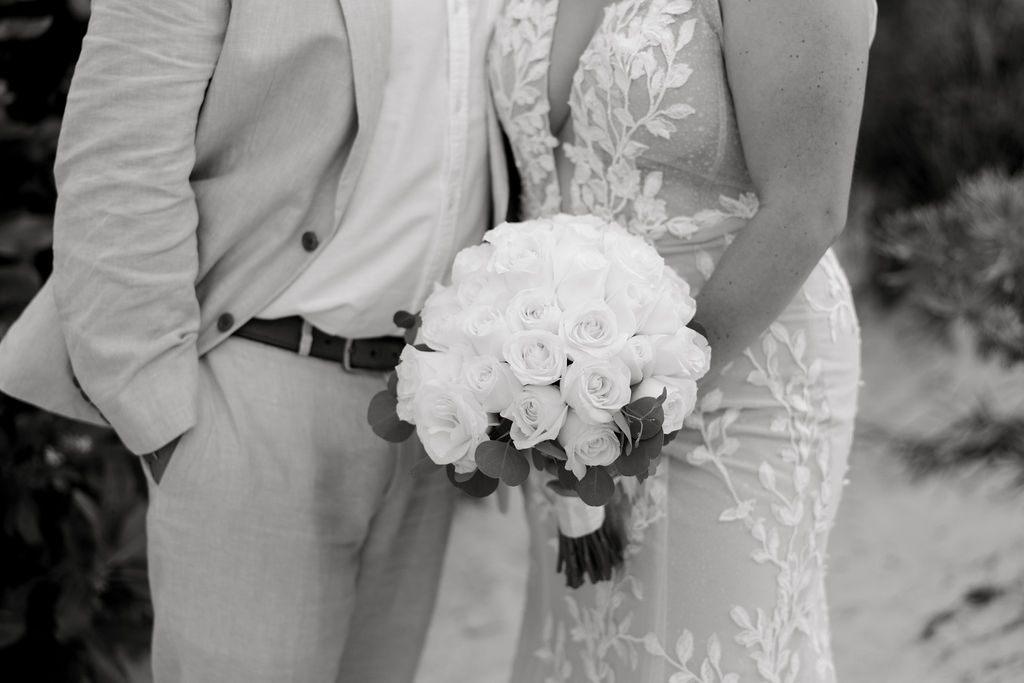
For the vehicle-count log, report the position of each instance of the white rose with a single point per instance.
(594, 329)
(580, 271)
(485, 329)
(637, 298)
(439, 329)
(506, 233)
(680, 399)
(471, 260)
(491, 381)
(587, 445)
(534, 309)
(536, 356)
(596, 388)
(416, 368)
(673, 308)
(573, 233)
(526, 254)
(638, 355)
(632, 258)
(685, 355)
(466, 464)
(537, 414)
(587, 224)
(450, 422)
(482, 289)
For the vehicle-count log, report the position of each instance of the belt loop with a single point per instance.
(346, 359)
(305, 338)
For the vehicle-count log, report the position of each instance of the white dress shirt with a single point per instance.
(424, 192)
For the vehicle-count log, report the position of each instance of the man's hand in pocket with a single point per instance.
(158, 459)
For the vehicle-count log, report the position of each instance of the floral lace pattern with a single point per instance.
(726, 554)
(519, 79)
(639, 47)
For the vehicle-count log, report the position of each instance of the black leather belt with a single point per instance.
(376, 353)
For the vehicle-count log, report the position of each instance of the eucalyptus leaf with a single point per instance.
(645, 417)
(406, 320)
(538, 459)
(567, 479)
(502, 460)
(633, 463)
(384, 420)
(479, 486)
(552, 449)
(597, 487)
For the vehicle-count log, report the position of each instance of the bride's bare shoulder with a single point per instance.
(811, 20)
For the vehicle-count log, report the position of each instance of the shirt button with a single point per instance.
(310, 241)
(225, 322)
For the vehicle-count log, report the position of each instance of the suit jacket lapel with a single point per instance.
(368, 24)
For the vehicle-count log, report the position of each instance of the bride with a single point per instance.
(724, 132)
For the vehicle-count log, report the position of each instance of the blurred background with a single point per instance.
(927, 559)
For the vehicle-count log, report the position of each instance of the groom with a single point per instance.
(247, 192)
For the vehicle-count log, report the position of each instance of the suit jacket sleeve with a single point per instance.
(125, 248)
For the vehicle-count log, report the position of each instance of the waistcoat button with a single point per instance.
(310, 241)
(225, 322)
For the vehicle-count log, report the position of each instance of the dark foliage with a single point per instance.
(963, 260)
(980, 439)
(945, 97)
(74, 596)
(75, 603)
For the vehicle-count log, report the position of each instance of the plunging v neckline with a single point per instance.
(545, 92)
(589, 40)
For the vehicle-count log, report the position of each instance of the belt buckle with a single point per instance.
(346, 354)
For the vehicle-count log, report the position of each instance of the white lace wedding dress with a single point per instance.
(725, 568)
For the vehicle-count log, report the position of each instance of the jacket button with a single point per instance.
(310, 241)
(225, 322)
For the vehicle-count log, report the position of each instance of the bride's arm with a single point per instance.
(796, 70)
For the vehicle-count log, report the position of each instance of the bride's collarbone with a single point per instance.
(576, 23)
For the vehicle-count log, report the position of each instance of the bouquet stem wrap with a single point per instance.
(589, 542)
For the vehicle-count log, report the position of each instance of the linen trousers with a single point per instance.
(287, 542)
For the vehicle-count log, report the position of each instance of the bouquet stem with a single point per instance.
(590, 543)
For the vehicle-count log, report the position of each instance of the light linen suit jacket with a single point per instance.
(178, 216)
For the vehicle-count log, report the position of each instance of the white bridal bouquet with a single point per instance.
(561, 343)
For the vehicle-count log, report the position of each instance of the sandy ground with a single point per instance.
(927, 577)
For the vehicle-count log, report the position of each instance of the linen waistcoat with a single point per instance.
(195, 134)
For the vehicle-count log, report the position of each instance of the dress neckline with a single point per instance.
(578, 66)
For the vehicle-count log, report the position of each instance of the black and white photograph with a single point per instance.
(511, 341)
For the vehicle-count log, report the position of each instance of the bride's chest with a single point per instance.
(646, 73)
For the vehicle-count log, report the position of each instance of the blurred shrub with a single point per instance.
(963, 260)
(980, 438)
(945, 97)
(39, 44)
(74, 595)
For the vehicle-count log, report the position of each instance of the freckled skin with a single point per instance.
(796, 70)
(798, 114)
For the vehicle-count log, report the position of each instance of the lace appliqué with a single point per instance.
(838, 303)
(518, 67)
(638, 45)
(790, 538)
